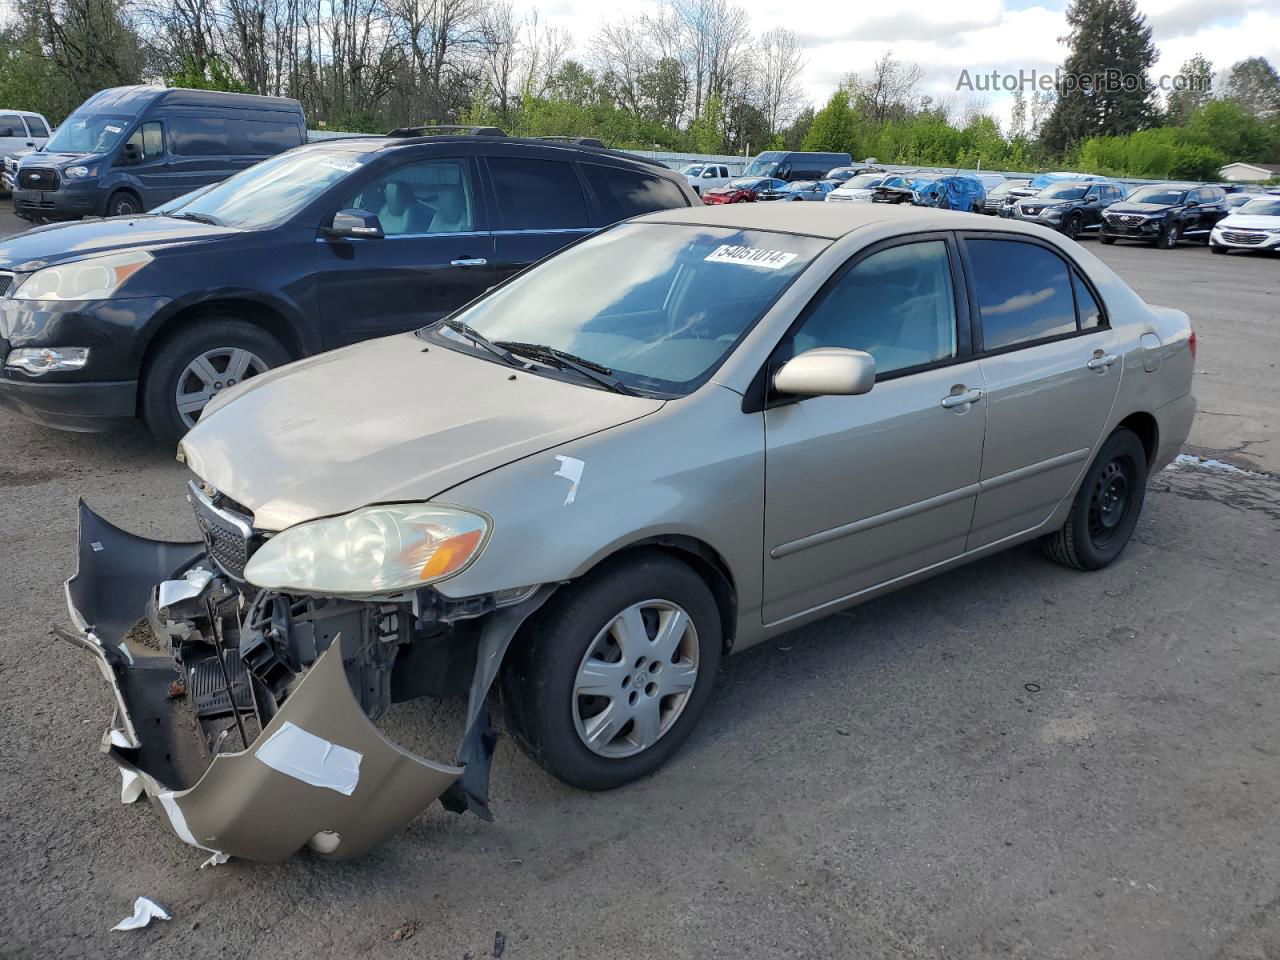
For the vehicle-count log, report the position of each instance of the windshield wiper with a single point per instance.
(587, 368)
(480, 340)
(197, 218)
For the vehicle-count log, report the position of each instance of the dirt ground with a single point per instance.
(1012, 760)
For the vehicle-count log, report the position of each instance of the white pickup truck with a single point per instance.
(704, 176)
(20, 132)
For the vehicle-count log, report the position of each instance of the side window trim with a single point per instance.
(975, 314)
(782, 350)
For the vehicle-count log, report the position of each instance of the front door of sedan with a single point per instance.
(1052, 367)
(860, 490)
(435, 255)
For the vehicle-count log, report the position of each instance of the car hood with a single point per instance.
(1128, 206)
(388, 420)
(43, 158)
(60, 242)
(1240, 221)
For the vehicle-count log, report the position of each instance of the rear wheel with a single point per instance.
(1106, 508)
(613, 675)
(198, 362)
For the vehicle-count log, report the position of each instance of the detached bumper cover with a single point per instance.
(320, 772)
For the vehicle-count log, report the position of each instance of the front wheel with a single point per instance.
(1217, 248)
(613, 675)
(201, 360)
(1073, 226)
(1169, 237)
(1106, 508)
(1106, 240)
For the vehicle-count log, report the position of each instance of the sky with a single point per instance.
(946, 37)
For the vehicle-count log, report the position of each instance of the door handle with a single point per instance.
(961, 399)
(1101, 362)
(469, 262)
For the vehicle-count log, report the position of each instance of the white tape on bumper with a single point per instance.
(311, 759)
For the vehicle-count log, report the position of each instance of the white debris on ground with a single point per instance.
(1208, 463)
(144, 911)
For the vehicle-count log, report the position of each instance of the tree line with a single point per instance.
(687, 75)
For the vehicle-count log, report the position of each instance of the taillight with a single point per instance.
(1191, 343)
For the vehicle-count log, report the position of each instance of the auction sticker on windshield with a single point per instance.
(751, 256)
(340, 163)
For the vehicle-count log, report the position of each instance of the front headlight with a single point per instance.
(78, 172)
(372, 550)
(94, 278)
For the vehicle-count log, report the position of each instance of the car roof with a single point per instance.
(832, 220)
(377, 142)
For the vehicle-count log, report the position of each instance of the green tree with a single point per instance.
(706, 133)
(834, 128)
(216, 75)
(1228, 125)
(1105, 91)
(1197, 77)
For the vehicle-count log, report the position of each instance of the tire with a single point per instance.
(1099, 525)
(1073, 225)
(1104, 239)
(1217, 248)
(1169, 237)
(555, 657)
(123, 203)
(215, 337)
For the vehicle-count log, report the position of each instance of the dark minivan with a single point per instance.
(795, 164)
(323, 246)
(128, 149)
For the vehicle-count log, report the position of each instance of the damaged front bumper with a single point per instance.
(312, 768)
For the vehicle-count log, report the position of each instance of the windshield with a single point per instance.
(270, 192)
(1262, 207)
(89, 133)
(660, 305)
(1066, 191)
(862, 181)
(1161, 195)
(693, 170)
(763, 165)
(746, 183)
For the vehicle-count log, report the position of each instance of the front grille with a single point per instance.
(1246, 238)
(6, 281)
(1128, 220)
(38, 178)
(227, 535)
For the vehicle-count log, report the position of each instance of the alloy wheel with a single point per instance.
(210, 373)
(636, 678)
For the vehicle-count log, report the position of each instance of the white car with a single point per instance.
(21, 130)
(859, 188)
(1254, 226)
(704, 176)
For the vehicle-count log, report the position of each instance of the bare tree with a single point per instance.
(890, 91)
(779, 61)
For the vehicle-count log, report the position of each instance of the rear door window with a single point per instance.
(628, 193)
(1023, 292)
(537, 194)
(199, 136)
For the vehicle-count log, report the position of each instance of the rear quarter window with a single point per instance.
(627, 193)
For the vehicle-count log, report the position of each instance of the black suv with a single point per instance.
(1166, 213)
(318, 247)
(1072, 207)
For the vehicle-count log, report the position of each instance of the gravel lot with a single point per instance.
(1011, 760)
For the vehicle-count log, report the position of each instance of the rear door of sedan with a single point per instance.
(1051, 364)
(860, 490)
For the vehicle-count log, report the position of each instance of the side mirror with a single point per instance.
(130, 153)
(1193, 203)
(355, 224)
(827, 371)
